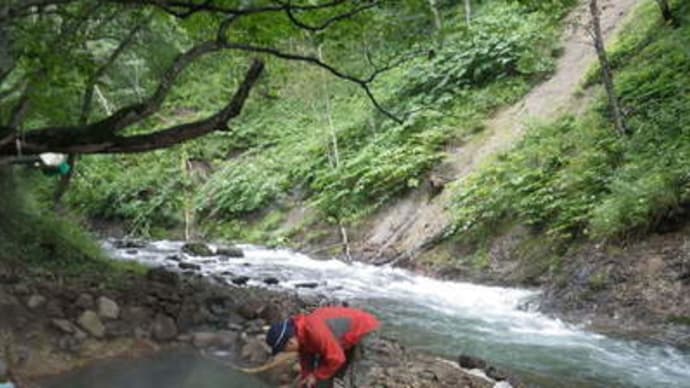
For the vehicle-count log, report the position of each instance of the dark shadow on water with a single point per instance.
(175, 369)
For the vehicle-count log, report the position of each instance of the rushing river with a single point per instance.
(449, 318)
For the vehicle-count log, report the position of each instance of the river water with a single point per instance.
(450, 318)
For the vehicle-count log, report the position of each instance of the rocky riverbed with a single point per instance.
(50, 325)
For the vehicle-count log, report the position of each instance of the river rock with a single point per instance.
(128, 243)
(131, 251)
(54, 309)
(35, 301)
(163, 276)
(164, 328)
(191, 266)
(229, 251)
(107, 308)
(255, 351)
(197, 249)
(306, 285)
(216, 339)
(471, 362)
(173, 258)
(84, 301)
(90, 322)
(240, 280)
(63, 325)
(271, 281)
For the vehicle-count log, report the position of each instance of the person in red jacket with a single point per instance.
(323, 339)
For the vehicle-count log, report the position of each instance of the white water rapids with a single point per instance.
(450, 318)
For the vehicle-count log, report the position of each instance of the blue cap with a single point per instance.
(279, 334)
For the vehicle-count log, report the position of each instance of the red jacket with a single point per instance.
(326, 334)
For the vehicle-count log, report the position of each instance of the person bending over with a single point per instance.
(325, 340)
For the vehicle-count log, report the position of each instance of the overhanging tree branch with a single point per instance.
(361, 82)
(290, 12)
(93, 143)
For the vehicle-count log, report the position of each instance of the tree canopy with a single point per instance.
(95, 77)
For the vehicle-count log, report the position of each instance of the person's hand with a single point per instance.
(308, 382)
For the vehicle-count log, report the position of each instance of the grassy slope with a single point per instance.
(33, 238)
(575, 179)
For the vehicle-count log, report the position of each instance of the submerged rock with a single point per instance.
(271, 281)
(190, 266)
(229, 251)
(218, 339)
(240, 280)
(306, 285)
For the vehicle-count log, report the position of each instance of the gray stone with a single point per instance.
(3, 369)
(90, 322)
(21, 289)
(271, 281)
(107, 308)
(80, 334)
(229, 251)
(84, 301)
(63, 325)
(217, 339)
(35, 301)
(164, 328)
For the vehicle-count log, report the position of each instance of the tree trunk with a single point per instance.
(336, 164)
(468, 11)
(438, 21)
(666, 11)
(606, 72)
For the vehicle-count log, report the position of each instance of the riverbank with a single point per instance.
(53, 323)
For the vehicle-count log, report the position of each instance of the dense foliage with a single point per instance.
(576, 176)
(310, 137)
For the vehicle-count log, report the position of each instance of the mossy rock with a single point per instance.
(197, 249)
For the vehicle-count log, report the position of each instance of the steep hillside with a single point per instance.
(411, 224)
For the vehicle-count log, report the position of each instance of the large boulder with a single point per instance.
(90, 322)
(107, 308)
(164, 328)
(197, 249)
